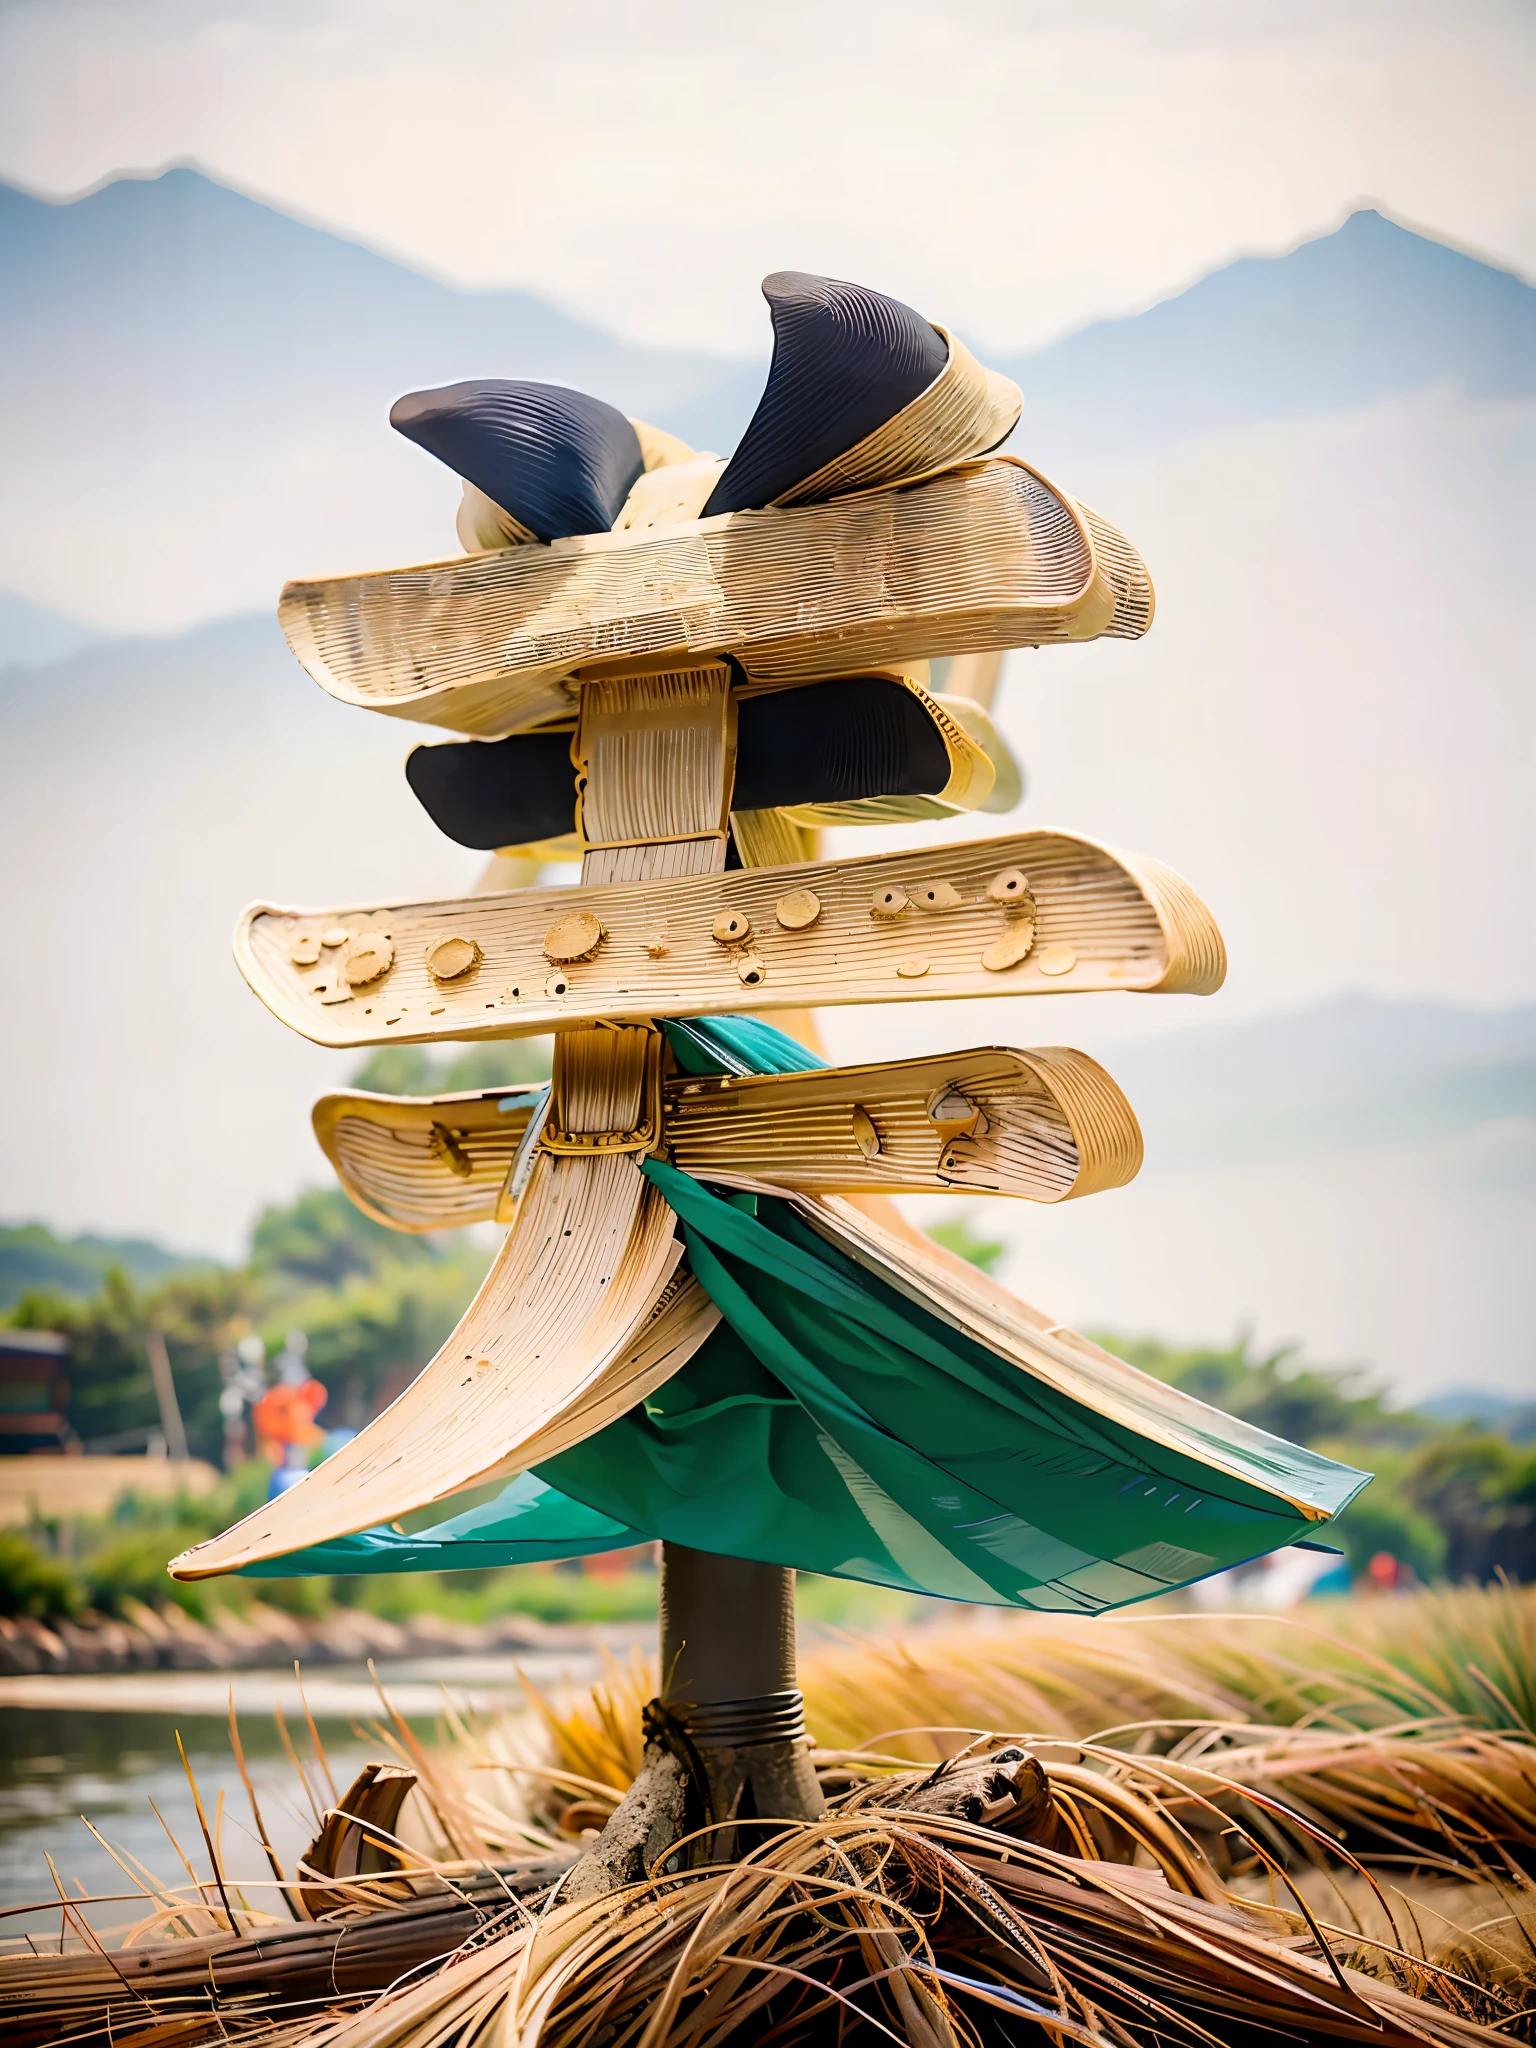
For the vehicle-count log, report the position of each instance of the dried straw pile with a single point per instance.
(1149, 1860)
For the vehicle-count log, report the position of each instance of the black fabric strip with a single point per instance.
(824, 743)
(489, 793)
(832, 743)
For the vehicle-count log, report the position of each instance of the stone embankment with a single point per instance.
(262, 1638)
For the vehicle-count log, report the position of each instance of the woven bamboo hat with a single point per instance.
(862, 394)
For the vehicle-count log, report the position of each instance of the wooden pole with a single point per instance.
(165, 1395)
(728, 1689)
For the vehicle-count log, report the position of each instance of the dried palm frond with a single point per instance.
(913, 1927)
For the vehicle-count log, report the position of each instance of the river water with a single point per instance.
(105, 1747)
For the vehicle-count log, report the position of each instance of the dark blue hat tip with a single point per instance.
(559, 461)
(845, 360)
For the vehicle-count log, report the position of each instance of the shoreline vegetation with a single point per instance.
(1450, 1501)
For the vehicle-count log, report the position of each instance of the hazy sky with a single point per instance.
(1014, 166)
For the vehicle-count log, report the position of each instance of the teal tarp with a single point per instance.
(831, 1424)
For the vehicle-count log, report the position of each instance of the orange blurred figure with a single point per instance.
(284, 1417)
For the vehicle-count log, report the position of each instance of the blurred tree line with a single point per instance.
(1449, 1502)
(374, 1303)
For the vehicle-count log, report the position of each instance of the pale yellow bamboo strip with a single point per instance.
(1054, 1126)
(1103, 921)
(771, 839)
(656, 757)
(574, 1287)
(1057, 1128)
(984, 557)
(382, 1148)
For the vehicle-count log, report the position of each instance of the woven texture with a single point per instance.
(985, 557)
(417, 1165)
(966, 411)
(1051, 1125)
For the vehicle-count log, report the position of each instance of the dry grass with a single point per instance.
(1257, 1832)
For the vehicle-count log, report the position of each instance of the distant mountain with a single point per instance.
(1354, 1074)
(30, 632)
(195, 396)
(33, 1256)
(1485, 1408)
(203, 382)
(1345, 321)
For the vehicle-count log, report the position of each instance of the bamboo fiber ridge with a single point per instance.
(551, 1348)
(1057, 1127)
(1053, 1126)
(965, 411)
(1126, 923)
(980, 558)
(383, 1151)
(655, 757)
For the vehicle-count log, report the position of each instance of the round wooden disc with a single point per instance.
(731, 928)
(913, 969)
(1056, 960)
(889, 903)
(448, 958)
(1008, 885)
(572, 938)
(370, 955)
(751, 970)
(937, 896)
(304, 950)
(797, 910)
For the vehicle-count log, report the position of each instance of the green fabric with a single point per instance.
(736, 1045)
(831, 1424)
(834, 1426)
(526, 1523)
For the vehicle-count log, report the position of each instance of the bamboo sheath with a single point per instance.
(1101, 920)
(585, 1310)
(988, 555)
(1047, 1125)
(577, 1320)
(417, 1163)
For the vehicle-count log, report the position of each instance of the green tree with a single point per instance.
(1481, 1491)
(323, 1239)
(958, 1234)
(1307, 1404)
(494, 1063)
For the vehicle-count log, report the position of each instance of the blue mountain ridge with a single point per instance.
(1344, 321)
(201, 301)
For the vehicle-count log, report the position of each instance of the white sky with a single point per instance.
(1015, 167)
